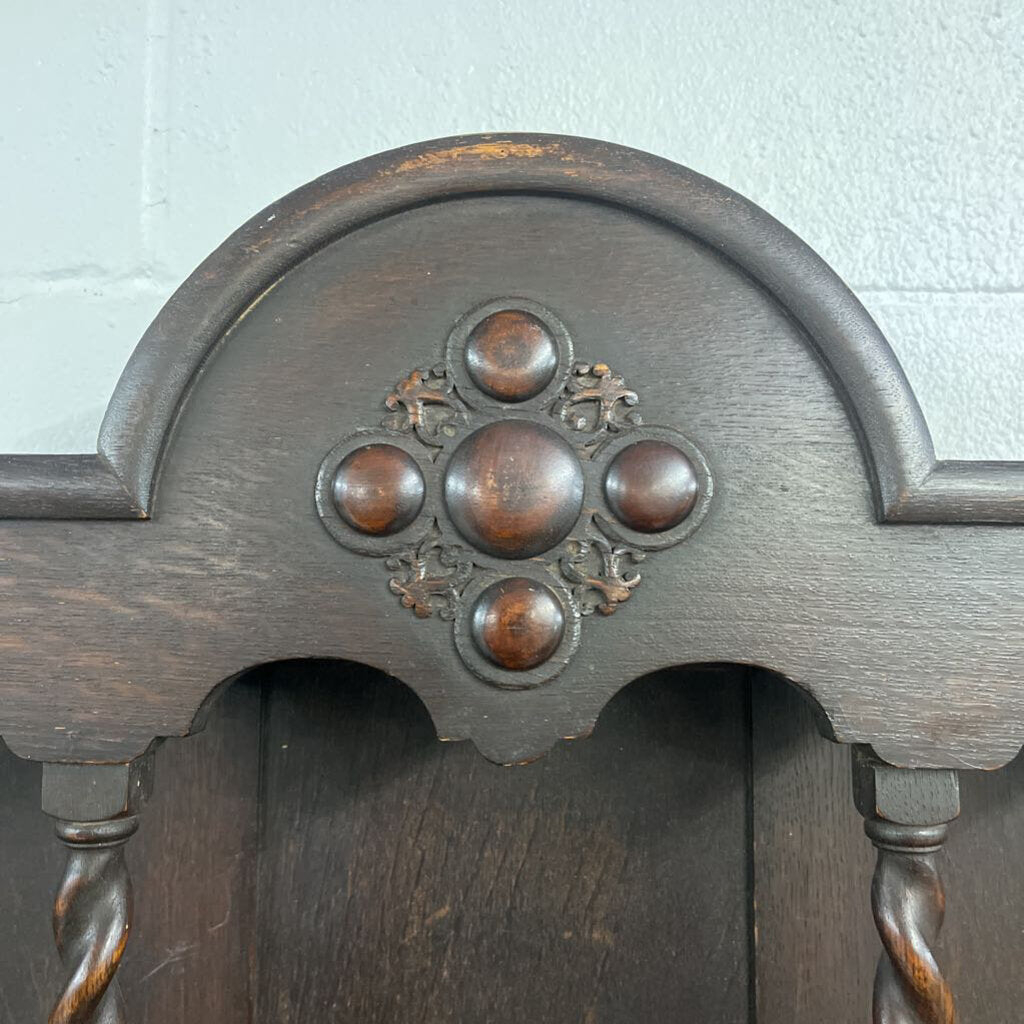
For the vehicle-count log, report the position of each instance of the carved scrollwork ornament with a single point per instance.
(424, 402)
(431, 578)
(513, 490)
(595, 400)
(597, 570)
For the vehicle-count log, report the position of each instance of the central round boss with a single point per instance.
(514, 488)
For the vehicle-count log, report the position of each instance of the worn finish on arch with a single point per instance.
(280, 346)
(910, 484)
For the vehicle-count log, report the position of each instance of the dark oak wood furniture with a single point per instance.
(515, 419)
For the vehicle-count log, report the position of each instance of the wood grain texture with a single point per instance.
(378, 489)
(92, 920)
(816, 944)
(31, 862)
(909, 638)
(514, 489)
(909, 485)
(63, 487)
(440, 888)
(192, 958)
(651, 486)
(295, 338)
(982, 943)
(908, 900)
(193, 951)
(906, 816)
(511, 356)
(517, 623)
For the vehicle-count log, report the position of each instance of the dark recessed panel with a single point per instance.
(406, 881)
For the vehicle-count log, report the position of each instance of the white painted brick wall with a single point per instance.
(135, 136)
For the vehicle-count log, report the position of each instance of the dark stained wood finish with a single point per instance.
(651, 486)
(92, 920)
(816, 947)
(906, 816)
(378, 489)
(97, 808)
(909, 904)
(517, 623)
(192, 956)
(64, 487)
(440, 888)
(193, 862)
(697, 315)
(982, 943)
(734, 334)
(910, 485)
(514, 488)
(31, 862)
(816, 943)
(511, 356)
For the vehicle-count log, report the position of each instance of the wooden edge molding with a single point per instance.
(909, 485)
(964, 492)
(64, 487)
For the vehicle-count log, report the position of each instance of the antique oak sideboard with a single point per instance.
(516, 420)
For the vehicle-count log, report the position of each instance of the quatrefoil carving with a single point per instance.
(512, 491)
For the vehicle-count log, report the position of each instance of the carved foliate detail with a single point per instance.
(424, 401)
(597, 570)
(431, 576)
(595, 400)
(515, 440)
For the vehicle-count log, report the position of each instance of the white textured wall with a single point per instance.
(136, 136)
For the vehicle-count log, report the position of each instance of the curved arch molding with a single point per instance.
(910, 640)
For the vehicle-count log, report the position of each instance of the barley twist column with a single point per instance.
(906, 814)
(95, 807)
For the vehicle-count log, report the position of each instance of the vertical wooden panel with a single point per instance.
(31, 863)
(983, 941)
(816, 942)
(194, 864)
(816, 945)
(405, 880)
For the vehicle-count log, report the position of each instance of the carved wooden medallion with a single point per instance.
(378, 489)
(513, 490)
(510, 355)
(651, 486)
(517, 623)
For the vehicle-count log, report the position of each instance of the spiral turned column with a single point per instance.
(906, 815)
(95, 807)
